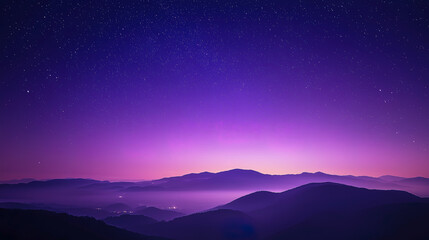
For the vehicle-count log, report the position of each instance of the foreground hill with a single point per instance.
(112, 210)
(274, 212)
(158, 214)
(312, 211)
(317, 194)
(132, 223)
(44, 225)
(74, 211)
(393, 222)
(213, 225)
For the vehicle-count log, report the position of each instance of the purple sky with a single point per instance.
(118, 90)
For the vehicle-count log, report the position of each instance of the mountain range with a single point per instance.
(345, 210)
(46, 225)
(234, 204)
(187, 194)
(316, 210)
(237, 179)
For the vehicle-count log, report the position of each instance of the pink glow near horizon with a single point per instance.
(271, 150)
(157, 90)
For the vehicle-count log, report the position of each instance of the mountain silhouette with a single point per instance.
(273, 212)
(414, 181)
(312, 211)
(130, 222)
(16, 181)
(236, 179)
(212, 225)
(289, 214)
(119, 207)
(392, 221)
(26, 206)
(45, 225)
(111, 210)
(86, 197)
(75, 211)
(239, 179)
(253, 201)
(72, 182)
(158, 214)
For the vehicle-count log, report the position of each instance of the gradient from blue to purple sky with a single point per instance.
(119, 90)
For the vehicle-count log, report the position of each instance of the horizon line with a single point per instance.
(30, 179)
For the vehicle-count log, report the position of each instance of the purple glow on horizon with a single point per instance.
(279, 95)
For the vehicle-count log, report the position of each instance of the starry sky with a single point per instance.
(147, 89)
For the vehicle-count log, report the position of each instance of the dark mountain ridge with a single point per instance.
(273, 212)
(45, 225)
(317, 210)
(128, 222)
(235, 179)
(391, 221)
(84, 196)
(212, 225)
(158, 214)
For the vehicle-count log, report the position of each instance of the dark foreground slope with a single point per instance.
(213, 225)
(393, 222)
(313, 211)
(277, 212)
(132, 223)
(44, 225)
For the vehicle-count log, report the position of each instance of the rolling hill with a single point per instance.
(274, 212)
(44, 225)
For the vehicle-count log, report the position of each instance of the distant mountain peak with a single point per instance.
(315, 173)
(240, 171)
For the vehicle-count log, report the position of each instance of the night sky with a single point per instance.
(148, 89)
